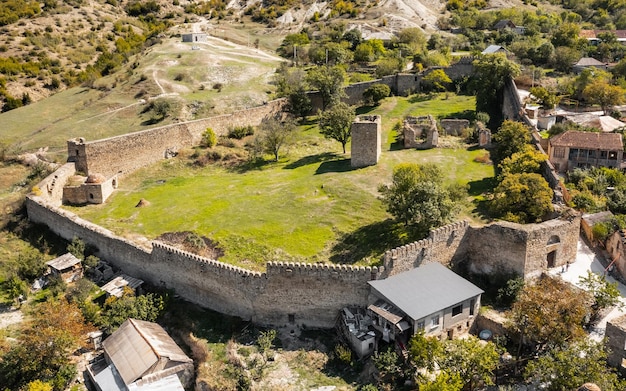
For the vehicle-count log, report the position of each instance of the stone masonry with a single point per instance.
(366, 141)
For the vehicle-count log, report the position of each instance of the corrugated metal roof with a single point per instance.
(63, 262)
(115, 287)
(589, 62)
(169, 383)
(425, 290)
(491, 49)
(108, 380)
(137, 345)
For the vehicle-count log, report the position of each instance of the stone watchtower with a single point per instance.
(366, 139)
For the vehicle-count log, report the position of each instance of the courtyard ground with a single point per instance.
(587, 259)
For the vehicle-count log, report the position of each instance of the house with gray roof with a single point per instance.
(429, 298)
(67, 266)
(141, 355)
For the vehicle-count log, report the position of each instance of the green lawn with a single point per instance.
(310, 206)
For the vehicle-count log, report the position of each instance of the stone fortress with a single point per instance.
(297, 294)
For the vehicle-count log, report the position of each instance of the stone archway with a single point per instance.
(551, 250)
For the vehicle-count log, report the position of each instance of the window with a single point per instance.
(559, 152)
(457, 310)
(434, 322)
(420, 325)
(292, 318)
(472, 305)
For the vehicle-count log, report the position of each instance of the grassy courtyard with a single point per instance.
(310, 206)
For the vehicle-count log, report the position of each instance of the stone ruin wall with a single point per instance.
(312, 294)
(454, 127)
(126, 153)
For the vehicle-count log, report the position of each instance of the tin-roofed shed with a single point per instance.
(143, 353)
(67, 266)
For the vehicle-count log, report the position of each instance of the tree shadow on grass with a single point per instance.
(465, 114)
(311, 159)
(420, 98)
(370, 241)
(364, 109)
(485, 185)
(342, 165)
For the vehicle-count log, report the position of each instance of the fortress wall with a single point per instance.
(126, 153)
(313, 294)
(559, 235)
(498, 248)
(52, 186)
(221, 287)
(444, 245)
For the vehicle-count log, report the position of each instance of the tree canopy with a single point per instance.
(418, 197)
(335, 123)
(329, 82)
(491, 72)
(512, 137)
(522, 198)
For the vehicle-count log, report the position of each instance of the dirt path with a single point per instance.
(10, 317)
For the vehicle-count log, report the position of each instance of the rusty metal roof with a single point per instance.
(63, 262)
(138, 345)
(115, 287)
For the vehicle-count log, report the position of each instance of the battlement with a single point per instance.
(204, 263)
(277, 267)
(447, 230)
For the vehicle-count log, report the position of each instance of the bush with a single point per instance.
(209, 139)
(240, 132)
(377, 92)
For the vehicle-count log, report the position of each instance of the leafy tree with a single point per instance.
(389, 367)
(377, 92)
(209, 139)
(161, 109)
(443, 382)
(38, 385)
(117, 310)
(265, 340)
(56, 328)
(328, 81)
(616, 200)
(425, 352)
(509, 293)
(275, 135)
(335, 123)
(567, 367)
(438, 79)
(77, 248)
(299, 103)
(523, 198)
(490, 75)
(606, 95)
(512, 137)
(418, 197)
(546, 98)
(550, 313)
(389, 66)
(30, 265)
(605, 294)
(567, 34)
(528, 160)
(473, 361)
(15, 287)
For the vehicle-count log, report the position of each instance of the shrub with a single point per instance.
(209, 139)
(240, 132)
(377, 92)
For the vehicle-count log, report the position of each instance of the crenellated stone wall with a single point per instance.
(128, 152)
(308, 295)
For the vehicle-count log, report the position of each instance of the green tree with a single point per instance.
(38, 385)
(473, 361)
(275, 135)
(523, 198)
(568, 367)
(299, 103)
(15, 287)
(417, 196)
(335, 123)
(77, 248)
(209, 139)
(117, 310)
(389, 66)
(528, 160)
(443, 382)
(56, 329)
(490, 75)
(546, 98)
(389, 367)
(600, 92)
(512, 137)
(438, 79)
(329, 82)
(265, 341)
(605, 294)
(425, 352)
(161, 109)
(550, 313)
(377, 92)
